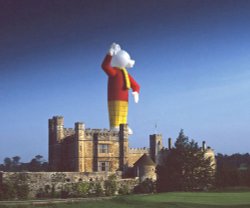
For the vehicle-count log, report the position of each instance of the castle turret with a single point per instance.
(169, 143)
(79, 147)
(145, 168)
(209, 153)
(59, 128)
(155, 142)
(56, 135)
(51, 131)
(204, 146)
(123, 140)
(52, 142)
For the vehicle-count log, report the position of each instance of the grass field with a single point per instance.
(164, 200)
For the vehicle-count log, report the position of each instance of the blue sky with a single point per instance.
(192, 62)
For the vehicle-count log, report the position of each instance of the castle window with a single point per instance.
(103, 148)
(103, 166)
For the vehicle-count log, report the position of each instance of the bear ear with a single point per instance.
(130, 64)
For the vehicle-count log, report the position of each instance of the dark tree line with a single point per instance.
(14, 164)
(233, 170)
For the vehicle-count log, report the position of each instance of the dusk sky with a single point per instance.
(192, 61)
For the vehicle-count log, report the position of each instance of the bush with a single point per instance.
(83, 189)
(124, 189)
(7, 192)
(67, 191)
(110, 185)
(98, 189)
(48, 192)
(147, 186)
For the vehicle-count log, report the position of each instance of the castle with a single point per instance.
(92, 155)
(100, 150)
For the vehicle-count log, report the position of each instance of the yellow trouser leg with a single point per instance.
(118, 112)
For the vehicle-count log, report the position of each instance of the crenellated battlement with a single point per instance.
(89, 131)
(143, 150)
(101, 132)
(59, 132)
(69, 132)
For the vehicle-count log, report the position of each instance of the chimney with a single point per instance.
(204, 146)
(169, 143)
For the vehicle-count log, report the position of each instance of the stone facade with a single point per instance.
(86, 150)
(91, 150)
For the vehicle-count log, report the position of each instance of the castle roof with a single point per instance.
(145, 160)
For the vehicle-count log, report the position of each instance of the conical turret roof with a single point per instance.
(145, 160)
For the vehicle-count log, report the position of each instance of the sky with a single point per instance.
(192, 61)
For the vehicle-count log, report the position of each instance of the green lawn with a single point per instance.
(166, 200)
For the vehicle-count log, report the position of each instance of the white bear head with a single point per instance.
(122, 60)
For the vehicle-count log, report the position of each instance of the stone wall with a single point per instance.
(38, 181)
(146, 171)
(135, 154)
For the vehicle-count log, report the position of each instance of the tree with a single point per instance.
(39, 159)
(7, 163)
(232, 170)
(36, 164)
(16, 160)
(146, 186)
(184, 167)
(16, 163)
(2, 167)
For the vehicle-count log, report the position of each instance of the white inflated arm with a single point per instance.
(136, 96)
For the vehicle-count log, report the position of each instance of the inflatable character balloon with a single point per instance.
(120, 81)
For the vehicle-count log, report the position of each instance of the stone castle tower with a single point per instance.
(155, 143)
